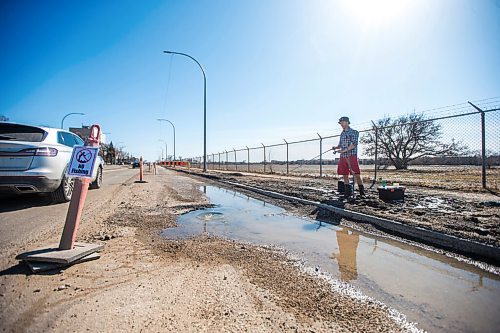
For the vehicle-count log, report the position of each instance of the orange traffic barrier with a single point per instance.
(140, 169)
(177, 163)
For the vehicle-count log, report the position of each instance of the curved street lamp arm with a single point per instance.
(69, 114)
(187, 55)
(163, 119)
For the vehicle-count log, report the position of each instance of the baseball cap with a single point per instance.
(344, 119)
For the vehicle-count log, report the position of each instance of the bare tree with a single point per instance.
(407, 138)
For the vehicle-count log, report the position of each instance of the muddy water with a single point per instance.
(439, 293)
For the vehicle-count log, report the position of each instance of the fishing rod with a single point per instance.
(315, 157)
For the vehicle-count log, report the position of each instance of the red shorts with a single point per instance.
(343, 166)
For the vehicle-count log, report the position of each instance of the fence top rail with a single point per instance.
(434, 119)
(369, 129)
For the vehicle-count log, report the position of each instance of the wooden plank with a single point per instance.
(53, 254)
(41, 266)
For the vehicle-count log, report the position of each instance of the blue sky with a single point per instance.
(275, 68)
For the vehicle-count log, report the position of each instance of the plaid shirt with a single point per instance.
(346, 139)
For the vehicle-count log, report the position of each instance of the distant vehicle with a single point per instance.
(35, 159)
(136, 164)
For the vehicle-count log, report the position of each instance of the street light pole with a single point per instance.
(204, 106)
(161, 119)
(104, 137)
(166, 151)
(69, 114)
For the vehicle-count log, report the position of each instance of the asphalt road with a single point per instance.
(26, 218)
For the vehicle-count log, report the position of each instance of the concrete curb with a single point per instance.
(426, 236)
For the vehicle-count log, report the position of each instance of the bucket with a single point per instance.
(341, 188)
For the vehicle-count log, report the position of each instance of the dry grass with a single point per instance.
(464, 178)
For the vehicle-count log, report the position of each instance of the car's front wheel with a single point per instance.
(64, 191)
(97, 183)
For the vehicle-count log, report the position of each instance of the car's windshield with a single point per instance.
(15, 132)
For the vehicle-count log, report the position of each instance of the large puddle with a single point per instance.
(437, 292)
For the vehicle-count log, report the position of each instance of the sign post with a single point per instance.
(80, 166)
(69, 252)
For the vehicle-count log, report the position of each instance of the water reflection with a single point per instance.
(346, 258)
(479, 284)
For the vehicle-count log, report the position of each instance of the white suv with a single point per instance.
(35, 159)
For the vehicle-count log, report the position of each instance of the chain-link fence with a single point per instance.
(458, 148)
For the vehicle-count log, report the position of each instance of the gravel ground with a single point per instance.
(146, 283)
(468, 215)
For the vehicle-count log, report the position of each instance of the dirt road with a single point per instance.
(145, 283)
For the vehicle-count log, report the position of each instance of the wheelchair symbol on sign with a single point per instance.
(84, 156)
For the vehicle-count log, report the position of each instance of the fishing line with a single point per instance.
(315, 157)
(168, 85)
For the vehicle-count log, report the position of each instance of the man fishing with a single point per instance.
(348, 163)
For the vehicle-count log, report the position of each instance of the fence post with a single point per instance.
(483, 149)
(264, 157)
(483, 144)
(235, 164)
(248, 158)
(320, 155)
(286, 157)
(376, 154)
(219, 162)
(226, 159)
